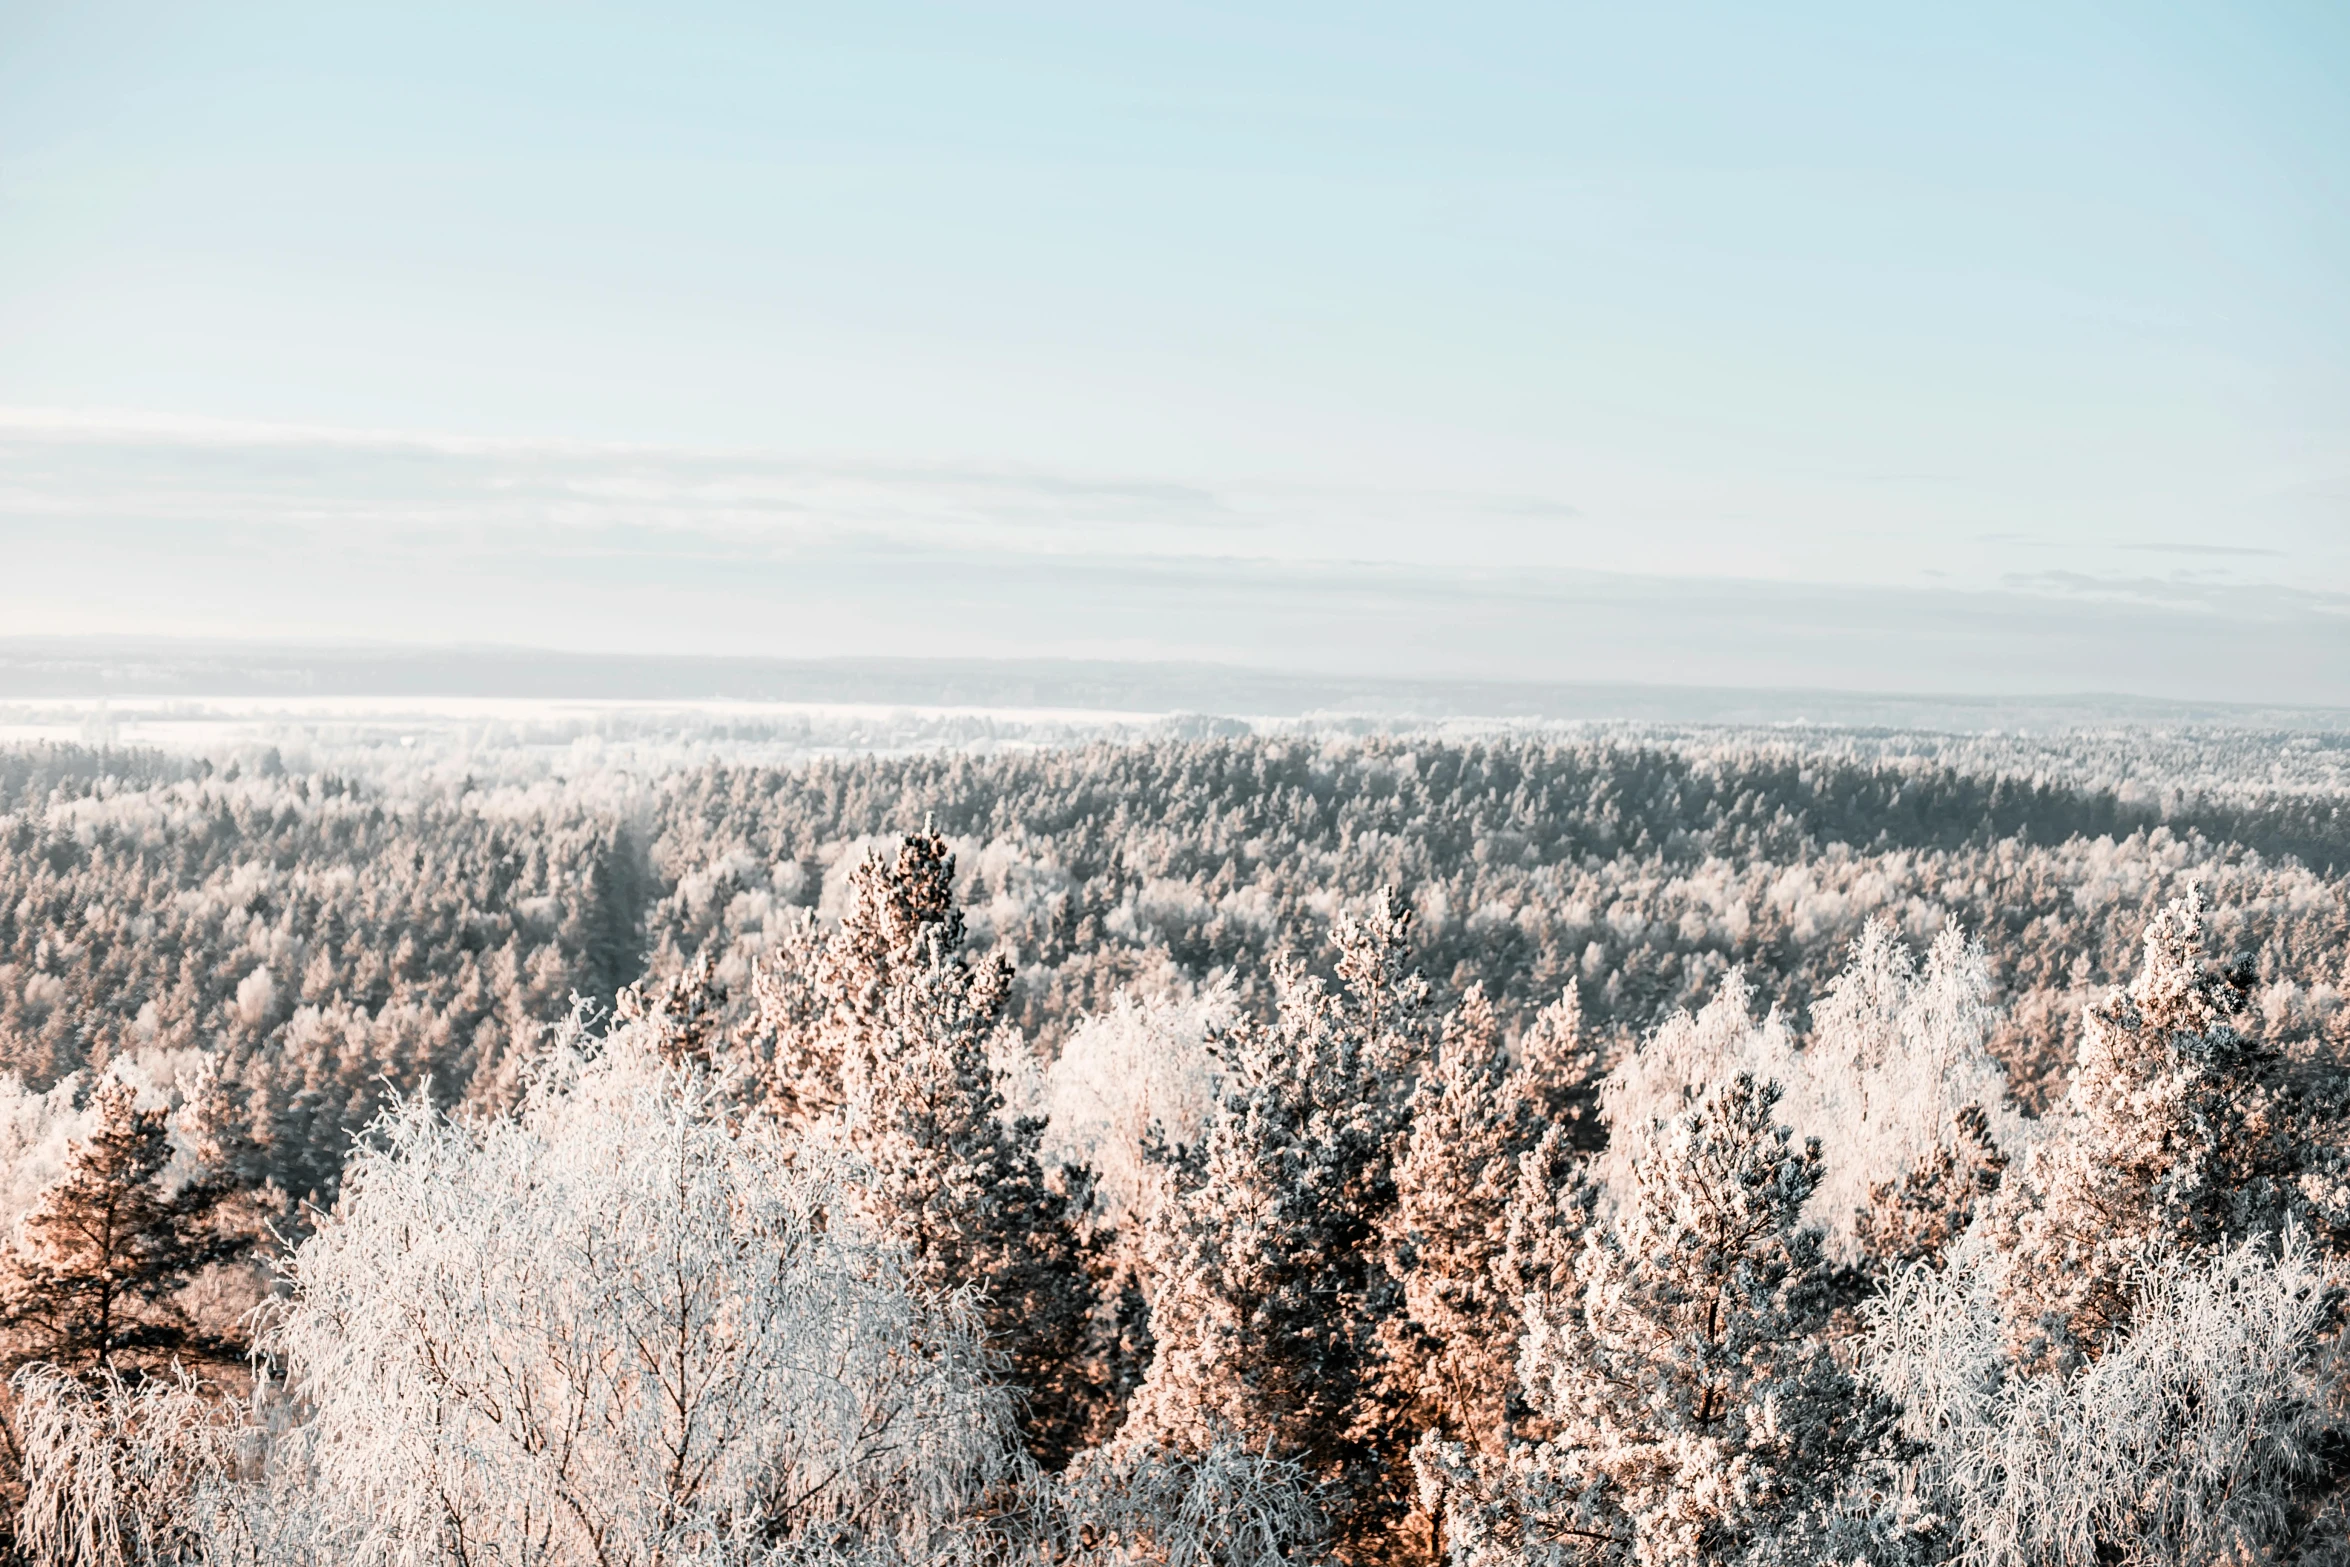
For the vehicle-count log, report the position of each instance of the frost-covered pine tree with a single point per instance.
(1700, 1414)
(796, 1041)
(88, 1280)
(2170, 1136)
(821, 993)
(1559, 1072)
(1270, 1292)
(1552, 1203)
(1483, 1222)
(1450, 1353)
(686, 1012)
(1919, 1217)
(950, 1173)
(2135, 1353)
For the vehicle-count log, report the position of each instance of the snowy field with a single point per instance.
(518, 738)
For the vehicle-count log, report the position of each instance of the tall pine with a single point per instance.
(1451, 1351)
(1699, 1412)
(1272, 1292)
(911, 1020)
(2180, 1130)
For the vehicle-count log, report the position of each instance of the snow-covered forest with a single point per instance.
(1602, 1147)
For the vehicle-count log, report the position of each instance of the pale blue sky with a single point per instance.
(2041, 301)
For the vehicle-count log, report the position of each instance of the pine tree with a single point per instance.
(796, 1042)
(1560, 1073)
(952, 1176)
(1271, 1290)
(1552, 1201)
(1701, 1415)
(87, 1281)
(686, 1012)
(1918, 1217)
(2174, 1134)
(1450, 1354)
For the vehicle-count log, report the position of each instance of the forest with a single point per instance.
(1610, 1147)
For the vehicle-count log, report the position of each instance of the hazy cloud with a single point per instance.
(185, 528)
(2202, 549)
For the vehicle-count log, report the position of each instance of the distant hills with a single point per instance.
(120, 667)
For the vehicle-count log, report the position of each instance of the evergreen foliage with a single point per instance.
(1450, 1351)
(2136, 1350)
(1214, 1154)
(1271, 1296)
(1701, 1414)
(951, 1174)
(88, 1282)
(2175, 1134)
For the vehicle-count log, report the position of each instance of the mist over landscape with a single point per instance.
(211, 530)
(1174, 786)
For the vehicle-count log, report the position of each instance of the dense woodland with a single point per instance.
(1380, 1149)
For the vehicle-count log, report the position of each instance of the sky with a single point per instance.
(1986, 348)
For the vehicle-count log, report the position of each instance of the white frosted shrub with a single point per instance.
(37, 1129)
(116, 1474)
(616, 1329)
(1139, 1072)
(2179, 1444)
(1895, 1050)
(1149, 1505)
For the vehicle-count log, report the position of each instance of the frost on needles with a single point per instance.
(1186, 1156)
